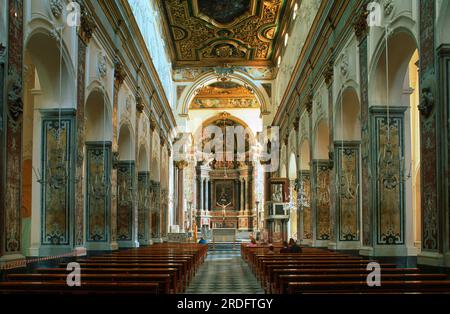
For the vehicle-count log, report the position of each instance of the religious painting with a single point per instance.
(389, 172)
(125, 190)
(224, 196)
(98, 188)
(56, 180)
(348, 191)
(278, 190)
(224, 11)
(322, 202)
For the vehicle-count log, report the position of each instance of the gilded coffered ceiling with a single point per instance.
(218, 32)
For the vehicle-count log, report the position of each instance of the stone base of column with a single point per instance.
(53, 251)
(92, 246)
(128, 244)
(400, 250)
(447, 259)
(332, 245)
(306, 242)
(80, 251)
(15, 260)
(145, 242)
(366, 251)
(320, 243)
(433, 259)
(157, 240)
(348, 245)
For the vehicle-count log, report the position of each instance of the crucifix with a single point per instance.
(223, 206)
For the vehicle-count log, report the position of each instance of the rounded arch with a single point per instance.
(143, 159)
(347, 119)
(292, 175)
(305, 156)
(97, 86)
(221, 116)
(125, 141)
(248, 133)
(98, 117)
(402, 45)
(235, 77)
(321, 140)
(42, 54)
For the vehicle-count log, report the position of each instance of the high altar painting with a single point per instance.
(224, 194)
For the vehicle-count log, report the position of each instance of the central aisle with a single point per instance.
(224, 272)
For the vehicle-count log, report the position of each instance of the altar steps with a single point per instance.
(224, 246)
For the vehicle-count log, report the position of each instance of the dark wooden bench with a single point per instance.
(162, 279)
(54, 287)
(273, 280)
(361, 287)
(175, 283)
(284, 280)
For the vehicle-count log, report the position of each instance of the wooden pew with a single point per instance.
(163, 280)
(273, 281)
(361, 287)
(175, 284)
(56, 287)
(284, 280)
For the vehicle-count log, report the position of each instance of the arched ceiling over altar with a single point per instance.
(224, 95)
(218, 32)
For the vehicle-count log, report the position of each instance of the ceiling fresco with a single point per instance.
(218, 32)
(223, 95)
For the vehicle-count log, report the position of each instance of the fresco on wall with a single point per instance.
(98, 191)
(56, 181)
(304, 201)
(322, 190)
(389, 187)
(348, 195)
(125, 188)
(143, 206)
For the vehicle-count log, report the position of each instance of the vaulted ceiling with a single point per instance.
(218, 32)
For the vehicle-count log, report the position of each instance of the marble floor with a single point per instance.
(224, 272)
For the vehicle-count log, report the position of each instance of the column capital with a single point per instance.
(119, 71)
(309, 103)
(2, 53)
(328, 73)
(139, 101)
(360, 24)
(87, 24)
(181, 164)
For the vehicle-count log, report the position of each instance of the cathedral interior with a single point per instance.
(189, 139)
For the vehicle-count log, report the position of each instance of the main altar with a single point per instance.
(225, 200)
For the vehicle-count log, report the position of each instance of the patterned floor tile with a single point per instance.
(224, 272)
